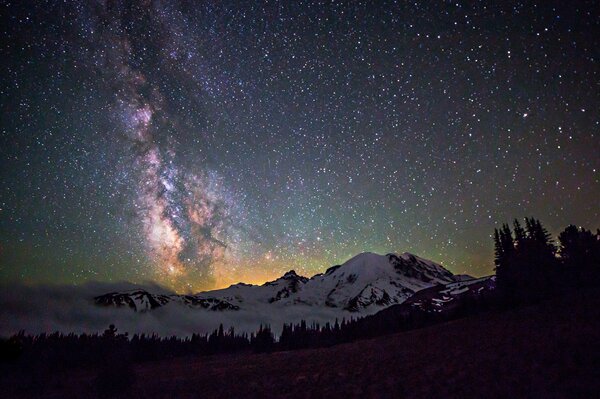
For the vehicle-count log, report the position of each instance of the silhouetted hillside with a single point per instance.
(548, 350)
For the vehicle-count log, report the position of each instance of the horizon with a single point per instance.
(150, 284)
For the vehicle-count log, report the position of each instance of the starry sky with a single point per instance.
(198, 144)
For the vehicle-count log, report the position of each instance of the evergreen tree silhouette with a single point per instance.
(580, 254)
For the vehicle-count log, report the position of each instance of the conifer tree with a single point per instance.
(580, 254)
(498, 251)
(519, 234)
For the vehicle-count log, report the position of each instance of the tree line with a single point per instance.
(530, 266)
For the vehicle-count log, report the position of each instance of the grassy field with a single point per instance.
(549, 350)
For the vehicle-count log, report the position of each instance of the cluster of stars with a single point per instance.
(200, 145)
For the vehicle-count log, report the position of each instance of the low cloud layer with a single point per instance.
(38, 309)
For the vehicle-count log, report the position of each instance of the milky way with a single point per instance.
(198, 144)
(186, 219)
(185, 215)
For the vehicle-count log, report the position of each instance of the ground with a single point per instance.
(549, 350)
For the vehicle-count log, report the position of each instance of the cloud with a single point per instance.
(68, 308)
(47, 308)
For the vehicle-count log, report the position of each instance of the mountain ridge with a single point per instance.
(364, 284)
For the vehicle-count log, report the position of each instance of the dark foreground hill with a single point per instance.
(549, 350)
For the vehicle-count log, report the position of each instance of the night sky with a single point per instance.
(198, 145)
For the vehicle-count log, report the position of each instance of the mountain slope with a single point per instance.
(369, 282)
(363, 285)
(546, 350)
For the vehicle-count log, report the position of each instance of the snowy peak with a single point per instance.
(143, 301)
(364, 284)
(289, 276)
(287, 285)
(138, 300)
(292, 275)
(369, 281)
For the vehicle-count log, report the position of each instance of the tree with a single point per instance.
(505, 273)
(264, 339)
(526, 263)
(110, 332)
(520, 236)
(580, 254)
(498, 252)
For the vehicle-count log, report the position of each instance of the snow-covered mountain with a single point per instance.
(141, 300)
(443, 298)
(364, 284)
(369, 282)
(437, 303)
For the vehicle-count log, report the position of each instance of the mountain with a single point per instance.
(370, 282)
(429, 306)
(142, 301)
(447, 297)
(363, 285)
(136, 299)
